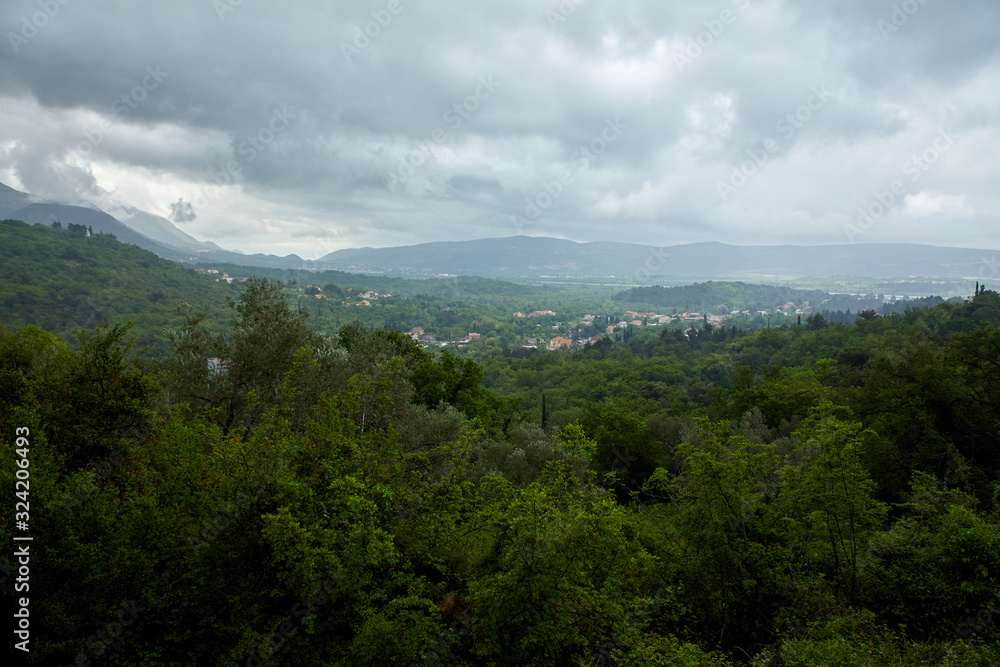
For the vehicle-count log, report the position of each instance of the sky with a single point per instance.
(307, 127)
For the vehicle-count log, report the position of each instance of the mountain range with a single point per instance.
(146, 230)
(536, 258)
(520, 257)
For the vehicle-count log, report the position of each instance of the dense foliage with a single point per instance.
(819, 494)
(61, 280)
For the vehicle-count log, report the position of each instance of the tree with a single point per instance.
(827, 509)
(815, 322)
(254, 355)
(563, 572)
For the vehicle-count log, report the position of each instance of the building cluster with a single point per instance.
(418, 334)
(224, 277)
(535, 313)
(366, 298)
(637, 319)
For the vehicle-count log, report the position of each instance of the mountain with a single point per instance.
(534, 257)
(162, 230)
(100, 221)
(537, 258)
(145, 230)
(61, 281)
(12, 199)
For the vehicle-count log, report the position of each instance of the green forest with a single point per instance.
(817, 493)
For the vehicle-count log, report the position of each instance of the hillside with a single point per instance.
(12, 199)
(61, 281)
(148, 231)
(522, 257)
(696, 496)
(710, 296)
(716, 297)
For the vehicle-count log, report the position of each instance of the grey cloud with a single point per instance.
(359, 116)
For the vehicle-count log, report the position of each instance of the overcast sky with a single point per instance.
(307, 127)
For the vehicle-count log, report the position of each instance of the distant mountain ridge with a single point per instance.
(12, 199)
(537, 257)
(524, 258)
(145, 230)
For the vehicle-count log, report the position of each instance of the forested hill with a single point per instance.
(710, 295)
(722, 297)
(62, 279)
(811, 495)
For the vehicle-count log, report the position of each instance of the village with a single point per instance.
(489, 331)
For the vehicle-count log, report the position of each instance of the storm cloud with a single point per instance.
(311, 126)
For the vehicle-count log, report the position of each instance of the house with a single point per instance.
(539, 313)
(519, 314)
(534, 341)
(559, 342)
(472, 336)
(416, 331)
(218, 366)
(363, 302)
